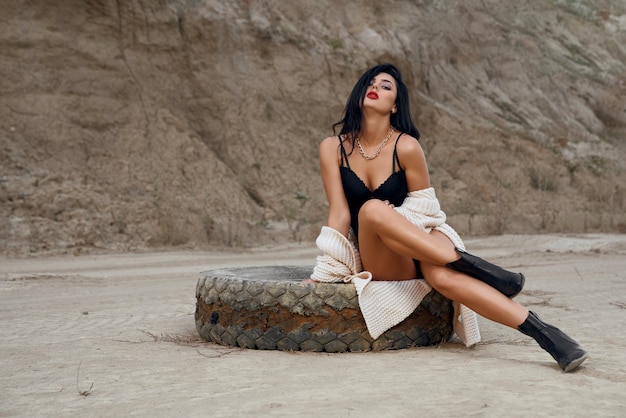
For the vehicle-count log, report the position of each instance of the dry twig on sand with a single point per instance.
(82, 392)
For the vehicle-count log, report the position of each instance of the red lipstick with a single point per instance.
(372, 95)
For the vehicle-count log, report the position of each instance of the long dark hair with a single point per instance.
(353, 112)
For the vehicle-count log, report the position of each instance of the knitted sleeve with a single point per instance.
(340, 260)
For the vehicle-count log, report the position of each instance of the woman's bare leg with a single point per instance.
(380, 225)
(378, 251)
(476, 295)
(388, 243)
(384, 261)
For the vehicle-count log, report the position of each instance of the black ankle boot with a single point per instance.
(565, 350)
(506, 282)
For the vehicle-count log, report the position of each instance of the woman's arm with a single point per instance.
(413, 161)
(330, 159)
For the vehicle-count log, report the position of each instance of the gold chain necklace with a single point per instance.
(380, 147)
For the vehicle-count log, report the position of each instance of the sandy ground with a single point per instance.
(114, 335)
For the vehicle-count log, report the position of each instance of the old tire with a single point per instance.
(270, 308)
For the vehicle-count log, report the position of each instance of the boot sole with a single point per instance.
(575, 363)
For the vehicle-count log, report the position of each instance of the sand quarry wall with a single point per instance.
(138, 123)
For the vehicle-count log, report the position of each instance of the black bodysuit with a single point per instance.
(394, 189)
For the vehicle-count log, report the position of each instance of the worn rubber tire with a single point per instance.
(270, 308)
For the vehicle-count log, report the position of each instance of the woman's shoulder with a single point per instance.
(329, 144)
(408, 144)
(329, 148)
(331, 140)
(410, 152)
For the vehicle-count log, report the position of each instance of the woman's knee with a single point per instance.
(372, 211)
(441, 278)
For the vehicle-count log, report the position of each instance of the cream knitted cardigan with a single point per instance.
(385, 304)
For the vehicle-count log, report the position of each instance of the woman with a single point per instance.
(369, 169)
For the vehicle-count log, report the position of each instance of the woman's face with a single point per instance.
(381, 93)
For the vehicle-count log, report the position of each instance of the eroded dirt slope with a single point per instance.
(126, 124)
